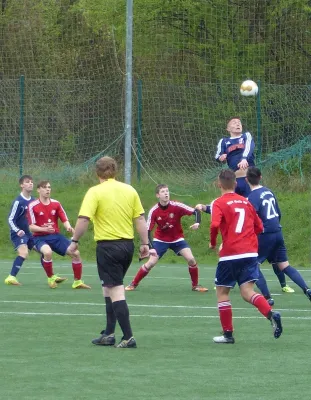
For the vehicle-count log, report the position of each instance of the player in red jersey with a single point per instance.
(43, 215)
(167, 215)
(239, 226)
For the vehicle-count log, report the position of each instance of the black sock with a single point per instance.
(123, 316)
(111, 317)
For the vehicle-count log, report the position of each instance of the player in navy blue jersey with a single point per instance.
(19, 228)
(271, 242)
(237, 150)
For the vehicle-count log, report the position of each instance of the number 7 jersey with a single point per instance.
(239, 226)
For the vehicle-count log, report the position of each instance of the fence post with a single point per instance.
(139, 122)
(258, 113)
(21, 123)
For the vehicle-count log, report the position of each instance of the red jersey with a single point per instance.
(168, 218)
(239, 226)
(46, 215)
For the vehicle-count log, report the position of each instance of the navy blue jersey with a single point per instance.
(267, 208)
(18, 214)
(237, 149)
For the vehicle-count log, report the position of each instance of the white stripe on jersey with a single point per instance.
(181, 205)
(238, 256)
(31, 213)
(12, 216)
(155, 207)
(247, 144)
(217, 155)
(56, 201)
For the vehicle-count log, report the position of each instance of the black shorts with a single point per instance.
(113, 260)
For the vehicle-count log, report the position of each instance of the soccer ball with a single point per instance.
(249, 88)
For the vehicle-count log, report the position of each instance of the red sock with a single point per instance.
(194, 274)
(77, 270)
(48, 267)
(261, 304)
(142, 272)
(225, 314)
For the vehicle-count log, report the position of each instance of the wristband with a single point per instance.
(144, 244)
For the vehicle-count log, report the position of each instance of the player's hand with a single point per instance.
(243, 164)
(211, 247)
(195, 226)
(20, 233)
(223, 157)
(200, 207)
(220, 247)
(70, 229)
(49, 229)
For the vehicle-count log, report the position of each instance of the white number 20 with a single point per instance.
(271, 211)
(240, 223)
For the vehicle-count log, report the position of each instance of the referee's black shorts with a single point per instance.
(113, 260)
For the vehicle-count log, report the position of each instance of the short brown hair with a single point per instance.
(42, 184)
(106, 167)
(229, 120)
(227, 179)
(23, 178)
(160, 186)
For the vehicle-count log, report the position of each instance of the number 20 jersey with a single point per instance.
(267, 208)
(239, 225)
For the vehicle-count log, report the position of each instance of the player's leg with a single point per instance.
(224, 281)
(262, 285)
(282, 279)
(183, 249)
(76, 263)
(22, 251)
(247, 274)
(113, 261)
(266, 248)
(161, 248)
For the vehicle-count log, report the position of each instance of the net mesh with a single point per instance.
(189, 60)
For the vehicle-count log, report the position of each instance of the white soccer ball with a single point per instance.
(249, 88)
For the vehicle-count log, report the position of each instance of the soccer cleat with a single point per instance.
(199, 288)
(270, 302)
(58, 279)
(130, 287)
(51, 282)
(308, 293)
(80, 285)
(223, 339)
(127, 344)
(276, 324)
(287, 289)
(105, 340)
(12, 280)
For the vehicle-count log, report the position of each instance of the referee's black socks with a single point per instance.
(121, 311)
(111, 317)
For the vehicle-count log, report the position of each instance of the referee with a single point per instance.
(114, 208)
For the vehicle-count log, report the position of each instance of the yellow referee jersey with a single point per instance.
(112, 206)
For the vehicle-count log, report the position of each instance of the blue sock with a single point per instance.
(280, 275)
(296, 277)
(262, 285)
(17, 264)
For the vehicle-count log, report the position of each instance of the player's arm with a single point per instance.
(216, 217)
(277, 208)
(248, 151)
(197, 216)
(13, 216)
(221, 151)
(36, 229)
(202, 207)
(258, 225)
(63, 217)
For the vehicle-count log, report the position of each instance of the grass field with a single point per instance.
(46, 352)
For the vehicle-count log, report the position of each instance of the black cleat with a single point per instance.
(127, 344)
(308, 293)
(105, 340)
(276, 324)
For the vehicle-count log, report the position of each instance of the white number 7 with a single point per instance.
(240, 223)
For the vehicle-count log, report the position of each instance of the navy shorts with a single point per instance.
(271, 247)
(113, 260)
(162, 247)
(58, 242)
(19, 241)
(242, 187)
(240, 271)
